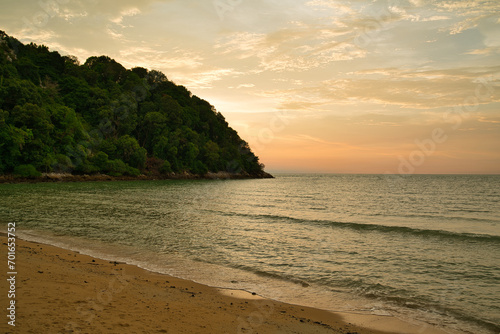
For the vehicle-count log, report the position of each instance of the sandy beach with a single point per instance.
(61, 291)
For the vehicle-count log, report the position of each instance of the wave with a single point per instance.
(389, 296)
(405, 299)
(476, 237)
(432, 215)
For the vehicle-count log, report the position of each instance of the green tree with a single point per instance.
(211, 153)
(129, 150)
(12, 141)
(191, 152)
(28, 171)
(151, 127)
(28, 70)
(34, 119)
(100, 161)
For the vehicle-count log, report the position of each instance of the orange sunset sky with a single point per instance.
(397, 86)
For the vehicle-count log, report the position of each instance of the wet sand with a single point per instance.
(61, 291)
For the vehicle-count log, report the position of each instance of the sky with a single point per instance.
(347, 86)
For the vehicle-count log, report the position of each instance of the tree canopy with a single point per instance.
(57, 115)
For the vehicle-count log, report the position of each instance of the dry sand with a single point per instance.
(61, 291)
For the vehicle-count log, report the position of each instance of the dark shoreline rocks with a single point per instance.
(54, 177)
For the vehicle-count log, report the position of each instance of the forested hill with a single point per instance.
(57, 115)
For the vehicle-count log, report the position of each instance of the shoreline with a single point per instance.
(67, 292)
(56, 177)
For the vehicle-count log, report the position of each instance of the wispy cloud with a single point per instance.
(206, 79)
(392, 86)
(243, 86)
(125, 13)
(155, 58)
(298, 48)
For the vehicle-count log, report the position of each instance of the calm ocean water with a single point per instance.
(418, 247)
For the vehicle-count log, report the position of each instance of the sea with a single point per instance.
(422, 248)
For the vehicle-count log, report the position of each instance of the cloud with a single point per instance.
(154, 58)
(484, 51)
(309, 140)
(298, 48)
(71, 16)
(244, 86)
(465, 25)
(331, 32)
(246, 44)
(77, 24)
(205, 80)
(402, 88)
(469, 14)
(125, 13)
(115, 35)
(339, 7)
(436, 18)
(484, 119)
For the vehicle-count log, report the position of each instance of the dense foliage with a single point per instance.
(59, 116)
